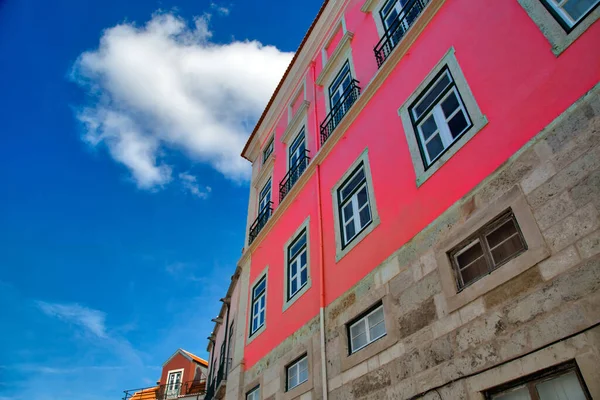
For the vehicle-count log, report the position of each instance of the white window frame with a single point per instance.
(296, 259)
(441, 121)
(557, 32)
(268, 150)
(365, 321)
(356, 209)
(173, 389)
(263, 196)
(424, 171)
(253, 394)
(295, 143)
(338, 80)
(342, 247)
(295, 368)
(288, 297)
(262, 310)
(557, 8)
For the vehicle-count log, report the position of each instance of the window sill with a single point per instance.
(287, 304)
(341, 253)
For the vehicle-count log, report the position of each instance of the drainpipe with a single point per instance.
(321, 254)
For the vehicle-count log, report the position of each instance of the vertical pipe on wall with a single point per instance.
(321, 254)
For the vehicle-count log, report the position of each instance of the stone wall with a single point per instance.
(456, 345)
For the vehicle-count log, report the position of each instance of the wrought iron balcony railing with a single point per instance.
(167, 391)
(260, 222)
(217, 386)
(290, 179)
(339, 110)
(406, 18)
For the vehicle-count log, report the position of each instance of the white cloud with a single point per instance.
(92, 321)
(165, 87)
(190, 184)
(220, 9)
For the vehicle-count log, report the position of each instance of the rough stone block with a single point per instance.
(401, 282)
(306, 396)
(373, 363)
(417, 319)
(514, 287)
(555, 326)
(416, 294)
(574, 227)
(371, 382)
(428, 262)
(559, 263)
(588, 190)
(554, 210)
(480, 331)
(355, 372)
(441, 305)
(538, 176)
(589, 246)
(335, 382)
(387, 271)
(472, 310)
(446, 325)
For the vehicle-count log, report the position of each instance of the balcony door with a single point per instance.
(174, 383)
(402, 13)
(340, 87)
(297, 150)
(265, 198)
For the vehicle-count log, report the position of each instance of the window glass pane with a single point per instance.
(293, 269)
(350, 231)
(564, 387)
(359, 341)
(578, 8)
(458, 124)
(292, 379)
(434, 147)
(358, 177)
(303, 276)
(377, 331)
(298, 245)
(260, 287)
(365, 216)
(470, 254)
(347, 212)
(501, 233)
(432, 95)
(294, 288)
(474, 271)
(428, 127)
(518, 394)
(450, 104)
(376, 317)
(508, 249)
(357, 329)
(362, 196)
(303, 259)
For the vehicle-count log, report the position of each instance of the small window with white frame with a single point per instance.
(297, 372)
(268, 150)
(254, 394)
(569, 13)
(265, 198)
(354, 206)
(297, 264)
(562, 382)
(439, 117)
(398, 16)
(338, 90)
(366, 329)
(297, 150)
(174, 383)
(259, 300)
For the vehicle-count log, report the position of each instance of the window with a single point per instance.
(367, 329)
(174, 383)
(297, 372)
(338, 90)
(489, 248)
(439, 117)
(254, 394)
(354, 207)
(398, 16)
(268, 150)
(297, 257)
(259, 294)
(562, 383)
(297, 150)
(264, 198)
(569, 12)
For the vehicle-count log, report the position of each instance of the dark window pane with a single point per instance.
(507, 249)
(303, 259)
(474, 271)
(347, 211)
(353, 183)
(501, 233)
(365, 216)
(577, 8)
(350, 231)
(450, 104)
(435, 147)
(428, 127)
(303, 276)
(457, 124)
(294, 286)
(362, 197)
(293, 269)
(432, 95)
(297, 246)
(468, 256)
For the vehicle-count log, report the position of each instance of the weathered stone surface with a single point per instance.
(417, 319)
(554, 210)
(555, 326)
(341, 305)
(480, 331)
(590, 245)
(401, 282)
(538, 176)
(559, 263)
(426, 288)
(588, 190)
(371, 382)
(574, 227)
(520, 284)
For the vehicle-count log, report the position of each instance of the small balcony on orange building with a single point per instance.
(170, 391)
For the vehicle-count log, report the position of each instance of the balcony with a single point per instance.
(167, 391)
(216, 389)
(339, 110)
(260, 222)
(394, 34)
(290, 179)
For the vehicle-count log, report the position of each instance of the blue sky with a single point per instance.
(123, 200)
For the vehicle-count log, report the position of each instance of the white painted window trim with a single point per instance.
(297, 365)
(342, 250)
(300, 92)
(365, 320)
(355, 210)
(559, 39)
(342, 52)
(175, 393)
(251, 335)
(253, 394)
(299, 120)
(478, 120)
(286, 282)
(270, 141)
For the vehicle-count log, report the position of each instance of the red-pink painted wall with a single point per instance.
(519, 85)
(178, 362)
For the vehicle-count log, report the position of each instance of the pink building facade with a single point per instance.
(424, 213)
